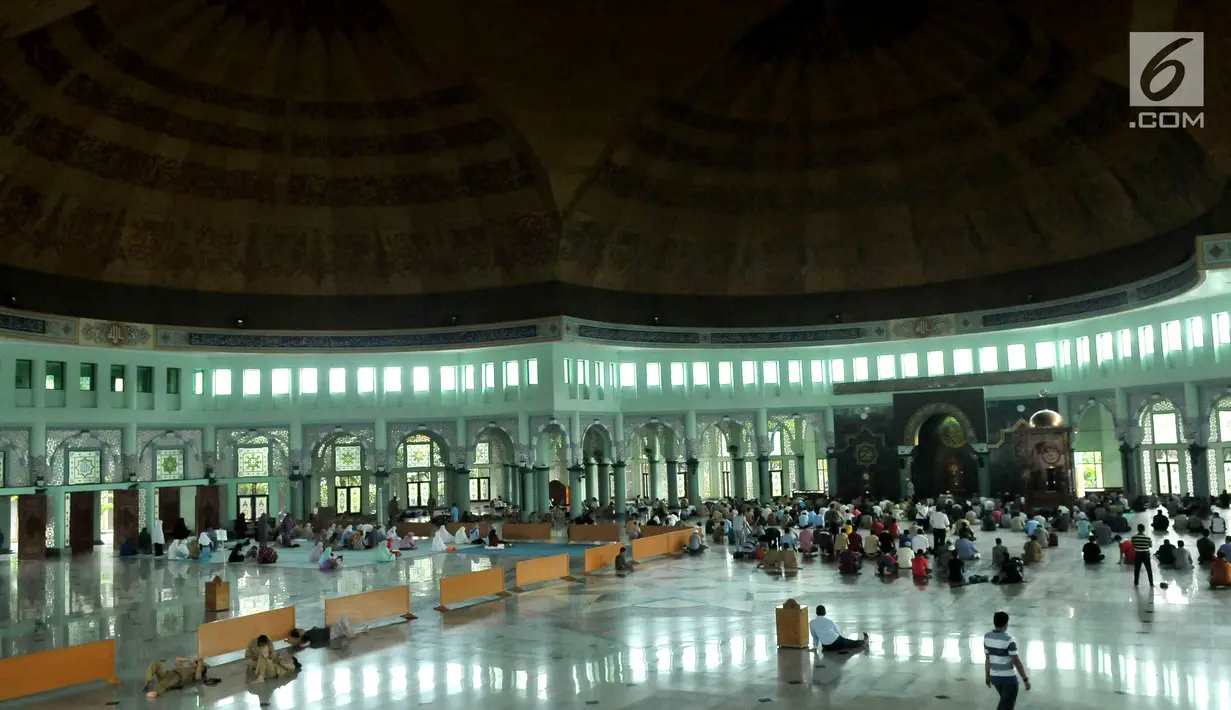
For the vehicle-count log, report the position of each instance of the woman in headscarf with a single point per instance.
(207, 552)
(386, 553)
(266, 555)
(288, 531)
(158, 538)
(461, 538)
(358, 541)
(237, 552)
(178, 550)
(328, 561)
(493, 540)
(317, 550)
(347, 533)
(442, 540)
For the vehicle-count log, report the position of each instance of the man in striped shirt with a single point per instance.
(1001, 664)
(1141, 555)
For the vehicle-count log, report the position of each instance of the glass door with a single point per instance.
(775, 479)
(349, 490)
(252, 499)
(1167, 471)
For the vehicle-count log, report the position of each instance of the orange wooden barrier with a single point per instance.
(419, 529)
(542, 569)
(658, 545)
(471, 585)
(652, 530)
(525, 531)
(601, 557)
(218, 638)
(369, 606)
(484, 528)
(58, 668)
(594, 533)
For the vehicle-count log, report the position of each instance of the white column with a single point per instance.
(130, 387)
(38, 382)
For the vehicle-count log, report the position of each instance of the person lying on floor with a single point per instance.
(319, 636)
(159, 679)
(265, 662)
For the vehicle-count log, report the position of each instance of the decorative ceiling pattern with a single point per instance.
(236, 149)
(289, 147)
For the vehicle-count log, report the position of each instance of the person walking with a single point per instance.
(939, 523)
(1001, 662)
(1141, 555)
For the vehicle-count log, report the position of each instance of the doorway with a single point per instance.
(251, 501)
(81, 521)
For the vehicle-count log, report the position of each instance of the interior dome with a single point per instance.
(336, 164)
(273, 147)
(1046, 418)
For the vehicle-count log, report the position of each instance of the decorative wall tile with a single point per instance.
(276, 438)
(149, 441)
(15, 443)
(61, 441)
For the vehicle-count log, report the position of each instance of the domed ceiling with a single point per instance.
(369, 163)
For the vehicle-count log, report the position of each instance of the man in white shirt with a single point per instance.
(939, 523)
(1218, 525)
(825, 634)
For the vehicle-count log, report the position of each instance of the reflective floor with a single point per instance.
(687, 632)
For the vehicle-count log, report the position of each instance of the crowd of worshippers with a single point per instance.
(262, 660)
(937, 537)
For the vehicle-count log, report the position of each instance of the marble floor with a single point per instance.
(695, 632)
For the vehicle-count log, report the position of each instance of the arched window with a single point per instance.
(1218, 457)
(422, 460)
(1165, 461)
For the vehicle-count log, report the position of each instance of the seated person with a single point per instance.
(966, 550)
(265, 662)
(871, 546)
(848, 561)
(824, 541)
(622, 563)
(1205, 549)
(1160, 523)
(957, 571)
(1165, 554)
(145, 542)
(266, 555)
(386, 553)
(237, 552)
(329, 561)
(886, 565)
(695, 545)
(944, 554)
(1180, 523)
(1011, 572)
(1183, 558)
(919, 566)
(1031, 526)
(788, 539)
(493, 540)
(159, 679)
(128, 549)
(1102, 533)
(1000, 553)
(1220, 572)
(177, 550)
(1091, 553)
(1127, 554)
(888, 543)
(853, 539)
(807, 542)
(1033, 552)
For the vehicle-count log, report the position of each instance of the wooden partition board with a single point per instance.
(526, 531)
(59, 668)
(601, 557)
(659, 545)
(426, 530)
(542, 569)
(219, 638)
(369, 606)
(484, 528)
(652, 530)
(471, 585)
(594, 533)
